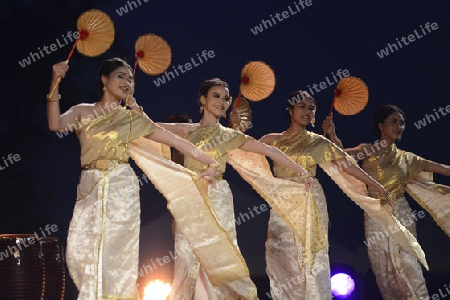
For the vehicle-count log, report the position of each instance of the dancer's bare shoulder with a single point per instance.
(271, 137)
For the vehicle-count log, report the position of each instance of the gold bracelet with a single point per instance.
(58, 97)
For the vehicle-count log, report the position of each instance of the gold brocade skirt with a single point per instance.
(290, 277)
(191, 281)
(398, 273)
(103, 239)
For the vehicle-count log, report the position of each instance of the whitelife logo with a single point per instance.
(34, 56)
(391, 48)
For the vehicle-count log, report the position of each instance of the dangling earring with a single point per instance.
(313, 121)
(104, 88)
(201, 108)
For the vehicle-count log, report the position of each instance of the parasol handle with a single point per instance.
(238, 100)
(58, 80)
(329, 114)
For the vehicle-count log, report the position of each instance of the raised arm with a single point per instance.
(132, 102)
(275, 154)
(329, 128)
(56, 121)
(133, 105)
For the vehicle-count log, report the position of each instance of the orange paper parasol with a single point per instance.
(153, 54)
(350, 97)
(257, 81)
(96, 35)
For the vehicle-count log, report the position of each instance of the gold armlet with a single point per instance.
(54, 99)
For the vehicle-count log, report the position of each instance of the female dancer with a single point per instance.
(225, 145)
(398, 273)
(103, 238)
(299, 268)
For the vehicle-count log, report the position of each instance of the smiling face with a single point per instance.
(217, 101)
(392, 128)
(119, 83)
(303, 112)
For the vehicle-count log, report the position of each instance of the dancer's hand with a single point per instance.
(385, 198)
(59, 70)
(308, 181)
(131, 101)
(209, 175)
(328, 126)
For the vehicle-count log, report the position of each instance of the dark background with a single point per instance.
(40, 189)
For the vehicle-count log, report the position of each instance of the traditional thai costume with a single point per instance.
(298, 265)
(398, 273)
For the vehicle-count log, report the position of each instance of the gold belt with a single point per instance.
(103, 164)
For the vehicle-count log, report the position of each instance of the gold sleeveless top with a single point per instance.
(215, 141)
(307, 149)
(394, 168)
(107, 137)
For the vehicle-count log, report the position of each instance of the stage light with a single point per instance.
(342, 285)
(156, 290)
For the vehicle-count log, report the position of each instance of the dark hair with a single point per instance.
(294, 98)
(179, 118)
(109, 66)
(381, 114)
(209, 83)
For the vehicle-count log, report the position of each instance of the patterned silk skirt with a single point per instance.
(290, 277)
(191, 281)
(103, 239)
(398, 273)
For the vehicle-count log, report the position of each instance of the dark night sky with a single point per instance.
(303, 49)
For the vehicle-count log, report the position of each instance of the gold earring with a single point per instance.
(104, 88)
(201, 108)
(313, 121)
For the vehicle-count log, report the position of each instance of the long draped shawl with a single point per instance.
(188, 202)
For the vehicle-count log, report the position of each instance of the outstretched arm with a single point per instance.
(187, 148)
(359, 174)
(438, 168)
(175, 128)
(275, 154)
